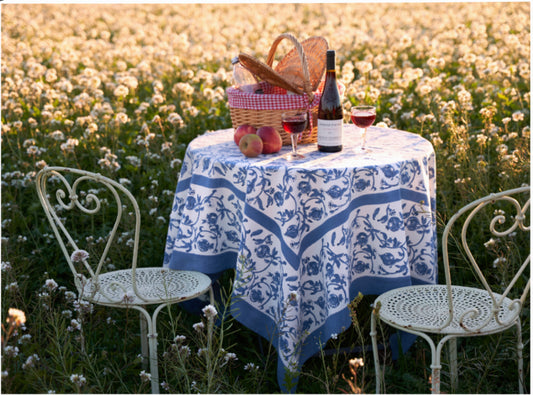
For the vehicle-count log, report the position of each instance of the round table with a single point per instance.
(306, 236)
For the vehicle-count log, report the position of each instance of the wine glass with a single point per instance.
(294, 124)
(363, 117)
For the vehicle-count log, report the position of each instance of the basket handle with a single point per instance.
(303, 59)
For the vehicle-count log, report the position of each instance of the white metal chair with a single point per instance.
(451, 311)
(79, 198)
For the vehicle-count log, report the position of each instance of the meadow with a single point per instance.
(122, 89)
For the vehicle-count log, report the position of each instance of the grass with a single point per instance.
(122, 90)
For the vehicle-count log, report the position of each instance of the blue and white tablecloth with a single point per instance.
(305, 237)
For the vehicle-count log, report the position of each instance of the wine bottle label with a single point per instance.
(329, 132)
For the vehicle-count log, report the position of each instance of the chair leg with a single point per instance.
(452, 349)
(154, 369)
(152, 343)
(373, 334)
(435, 358)
(435, 378)
(519, 348)
(435, 355)
(436, 366)
(151, 336)
(144, 341)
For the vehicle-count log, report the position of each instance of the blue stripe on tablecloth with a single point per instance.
(208, 182)
(332, 222)
(267, 327)
(207, 264)
(183, 184)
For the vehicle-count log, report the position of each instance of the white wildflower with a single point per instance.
(502, 149)
(175, 163)
(175, 119)
(50, 284)
(67, 313)
(210, 312)
(363, 67)
(490, 243)
(499, 262)
(6, 266)
(69, 145)
(122, 117)
(30, 361)
(26, 338)
(57, 135)
(250, 366)
(121, 91)
(75, 325)
(357, 362)
(133, 160)
(70, 296)
(230, 356)
(293, 296)
(145, 377)
(518, 116)
(11, 351)
(79, 256)
(184, 351)
(78, 379)
(12, 286)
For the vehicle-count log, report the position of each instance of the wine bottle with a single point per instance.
(329, 125)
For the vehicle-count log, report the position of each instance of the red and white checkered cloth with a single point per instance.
(273, 98)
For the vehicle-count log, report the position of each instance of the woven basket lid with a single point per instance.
(300, 71)
(267, 73)
(289, 67)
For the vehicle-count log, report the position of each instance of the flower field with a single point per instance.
(122, 89)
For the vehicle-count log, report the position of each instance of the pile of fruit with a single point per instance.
(252, 141)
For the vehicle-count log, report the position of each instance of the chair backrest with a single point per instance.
(77, 202)
(499, 215)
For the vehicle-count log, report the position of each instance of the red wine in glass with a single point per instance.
(295, 125)
(363, 119)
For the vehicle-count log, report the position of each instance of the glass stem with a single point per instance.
(364, 139)
(294, 141)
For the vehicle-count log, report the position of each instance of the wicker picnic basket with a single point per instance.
(299, 72)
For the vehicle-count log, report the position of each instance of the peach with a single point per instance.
(251, 145)
(272, 141)
(241, 131)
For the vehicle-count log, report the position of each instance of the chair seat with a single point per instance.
(425, 308)
(155, 284)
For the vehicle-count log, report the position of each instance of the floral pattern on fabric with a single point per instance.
(304, 236)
